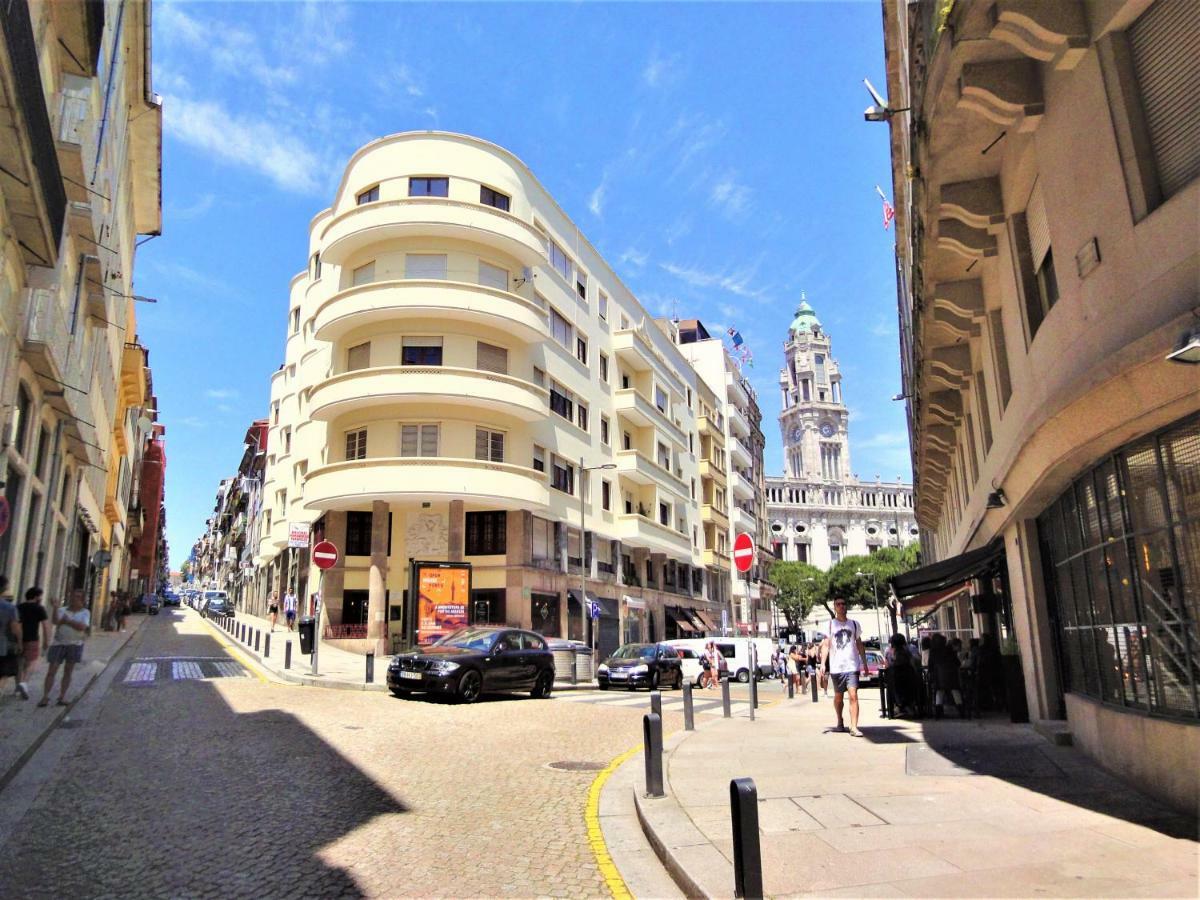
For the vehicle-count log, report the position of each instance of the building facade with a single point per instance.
(80, 132)
(467, 380)
(1045, 166)
(819, 511)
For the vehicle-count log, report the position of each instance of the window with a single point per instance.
(40, 454)
(626, 441)
(604, 425)
(664, 456)
(606, 495)
(429, 187)
(419, 440)
(275, 414)
(358, 357)
(604, 368)
(370, 195)
(425, 265)
(819, 364)
(559, 259)
(287, 440)
(543, 540)
(581, 285)
(493, 276)
(581, 348)
(490, 358)
(539, 377)
(486, 533)
(1000, 357)
(660, 399)
(581, 415)
(316, 266)
(294, 320)
(358, 533)
(560, 329)
(562, 475)
(561, 401)
(664, 514)
(356, 444)
(539, 459)
(603, 307)
(489, 445)
(421, 351)
(364, 274)
(490, 197)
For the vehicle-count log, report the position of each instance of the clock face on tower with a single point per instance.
(797, 433)
(827, 429)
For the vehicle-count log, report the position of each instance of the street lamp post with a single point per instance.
(875, 594)
(583, 604)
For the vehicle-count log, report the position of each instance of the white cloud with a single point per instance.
(220, 393)
(731, 198)
(736, 282)
(662, 71)
(193, 211)
(883, 440)
(228, 47)
(255, 144)
(192, 422)
(633, 257)
(596, 201)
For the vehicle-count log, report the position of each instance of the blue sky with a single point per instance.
(716, 154)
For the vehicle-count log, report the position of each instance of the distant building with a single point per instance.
(819, 511)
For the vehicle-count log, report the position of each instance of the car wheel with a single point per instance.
(602, 685)
(545, 684)
(743, 676)
(469, 687)
(654, 681)
(396, 692)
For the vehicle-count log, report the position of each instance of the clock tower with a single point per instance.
(814, 417)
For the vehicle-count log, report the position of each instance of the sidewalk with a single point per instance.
(943, 808)
(23, 725)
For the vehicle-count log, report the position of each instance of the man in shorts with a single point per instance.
(35, 633)
(844, 651)
(289, 610)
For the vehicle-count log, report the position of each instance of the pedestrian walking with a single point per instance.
(720, 664)
(73, 625)
(273, 609)
(706, 667)
(10, 637)
(846, 656)
(35, 635)
(289, 610)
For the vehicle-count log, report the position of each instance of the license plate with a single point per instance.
(617, 675)
(414, 675)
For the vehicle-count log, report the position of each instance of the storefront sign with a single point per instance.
(298, 534)
(442, 607)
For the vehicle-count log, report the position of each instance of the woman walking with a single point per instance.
(73, 624)
(273, 609)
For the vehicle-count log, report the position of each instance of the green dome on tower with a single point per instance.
(805, 319)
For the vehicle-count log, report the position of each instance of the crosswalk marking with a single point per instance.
(229, 670)
(141, 672)
(184, 670)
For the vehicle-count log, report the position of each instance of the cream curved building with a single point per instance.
(456, 350)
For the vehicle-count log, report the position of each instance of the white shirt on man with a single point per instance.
(65, 634)
(843, 647)
(289, 602)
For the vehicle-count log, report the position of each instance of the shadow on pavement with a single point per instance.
(170, 792)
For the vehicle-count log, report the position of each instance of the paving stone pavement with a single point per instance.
(238, 787)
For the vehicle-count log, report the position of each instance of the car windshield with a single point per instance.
(214, 595)
(635, 651)
(469, 639)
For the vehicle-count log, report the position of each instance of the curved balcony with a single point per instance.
(642, 531)
(349, 485)
(388, 385)
(408, 217)
(391, 301)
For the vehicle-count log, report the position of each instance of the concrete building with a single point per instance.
(731, 469)
(80, 136)
(464, 379)
(819, 511)
(1045, 175)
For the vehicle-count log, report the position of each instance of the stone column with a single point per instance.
(517, 526)
(1031, 621)
(377, 578)
(333, 581)
(458, 531)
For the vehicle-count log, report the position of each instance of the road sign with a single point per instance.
(325, 555)
(101, 559)
(298, 534)
(743, 552)
(595, 609)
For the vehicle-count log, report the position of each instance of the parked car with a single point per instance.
(152, 606)
(473, 661)
(736, 651)
(215, 603)
(689, 661)
(641, 665)
(875, 662)
(170, 600)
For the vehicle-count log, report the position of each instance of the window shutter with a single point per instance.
(1165, 44)
(364, 274)
(481, 443)
(429, 440)
(1039, 230)
(425, 265)
(408, 440)
(493, 276)
(490, 358)
(358, 357)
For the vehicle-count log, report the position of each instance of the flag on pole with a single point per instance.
(889, 211)
(736, 336)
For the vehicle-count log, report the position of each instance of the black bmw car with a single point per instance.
(473, 661)
(641, 665)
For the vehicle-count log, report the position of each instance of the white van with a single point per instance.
(736, 651)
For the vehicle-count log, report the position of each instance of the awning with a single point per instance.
(931, 600)
(634, 602)
(948, 573)
(704, 620)
(680, 618)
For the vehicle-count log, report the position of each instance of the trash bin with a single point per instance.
(583, 664)
(307, 629)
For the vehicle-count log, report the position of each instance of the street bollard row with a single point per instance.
(656, 703)
(287, 655)
(689, 714)
(371, 667)
(747, 854)
(653, 747)
(725, 708)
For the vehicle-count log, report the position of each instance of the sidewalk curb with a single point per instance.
(62, 712)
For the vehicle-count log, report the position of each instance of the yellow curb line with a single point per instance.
(608, 870)
(237, 653)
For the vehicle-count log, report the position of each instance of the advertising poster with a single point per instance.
(443, 602)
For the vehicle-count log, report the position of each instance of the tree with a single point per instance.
(859, 590)
(799, 588)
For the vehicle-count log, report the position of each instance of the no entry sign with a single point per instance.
(325, 555)
(743, 552)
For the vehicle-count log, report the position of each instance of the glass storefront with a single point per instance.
(1121, 550)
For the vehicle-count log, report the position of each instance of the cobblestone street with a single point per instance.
(193, 778)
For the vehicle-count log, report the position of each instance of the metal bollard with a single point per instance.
(791, 688)
(652, 748)
(266, 645)
(753, 696)
(725, 697)
(689, 714)
(257, 640)
(371, 667)
(656, 703)
(814, 680)
(747, 855)
(287, 654)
